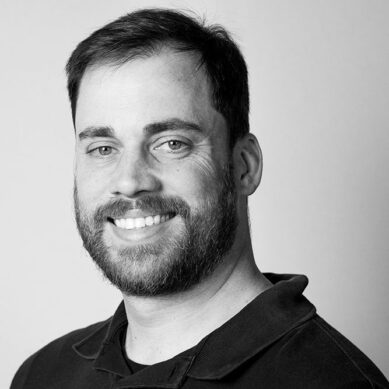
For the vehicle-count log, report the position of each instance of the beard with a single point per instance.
(178, 260)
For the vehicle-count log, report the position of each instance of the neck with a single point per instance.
(162, 327)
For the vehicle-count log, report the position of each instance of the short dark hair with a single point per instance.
(142, 32)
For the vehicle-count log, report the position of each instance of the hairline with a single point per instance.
(147, 52)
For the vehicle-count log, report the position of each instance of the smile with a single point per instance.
(141, 222)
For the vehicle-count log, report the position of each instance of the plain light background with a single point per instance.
(319, 107)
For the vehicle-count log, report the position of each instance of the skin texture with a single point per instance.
(170, 257)
(167, 86)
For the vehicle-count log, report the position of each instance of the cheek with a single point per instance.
(90, 185)
(194, 181)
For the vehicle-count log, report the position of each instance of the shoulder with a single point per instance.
(58, 353)
(321, 354)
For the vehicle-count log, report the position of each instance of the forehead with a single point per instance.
(144, 90)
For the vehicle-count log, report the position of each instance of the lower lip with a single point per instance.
(140, 235)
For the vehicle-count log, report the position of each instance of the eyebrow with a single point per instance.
(150, 129)
(97, 132)
(171, 125)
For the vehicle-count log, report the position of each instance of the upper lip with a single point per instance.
(137, 213)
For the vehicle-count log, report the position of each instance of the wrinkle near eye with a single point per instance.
(205, 165)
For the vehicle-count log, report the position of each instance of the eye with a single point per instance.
(172, 145)
(102, 151)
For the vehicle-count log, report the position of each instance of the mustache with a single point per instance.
(116, 208)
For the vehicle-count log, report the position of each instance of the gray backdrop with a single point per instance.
(319, 89)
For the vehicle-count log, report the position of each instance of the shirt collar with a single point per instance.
(104, 344)
(104, 347)
(262, 322)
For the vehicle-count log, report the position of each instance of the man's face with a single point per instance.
(154, 189)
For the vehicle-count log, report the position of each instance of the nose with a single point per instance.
(134, 176)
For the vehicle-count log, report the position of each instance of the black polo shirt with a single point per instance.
(276, 341)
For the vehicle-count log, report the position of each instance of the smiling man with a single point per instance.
(164, 165)
(154, 193)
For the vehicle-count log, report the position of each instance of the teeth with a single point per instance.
(140, 222)
(149, 220)
(128, 223)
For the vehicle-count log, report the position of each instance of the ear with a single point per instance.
(248, 164)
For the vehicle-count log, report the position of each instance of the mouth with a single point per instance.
(141, 222)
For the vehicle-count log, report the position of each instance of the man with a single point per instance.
(164, 164)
